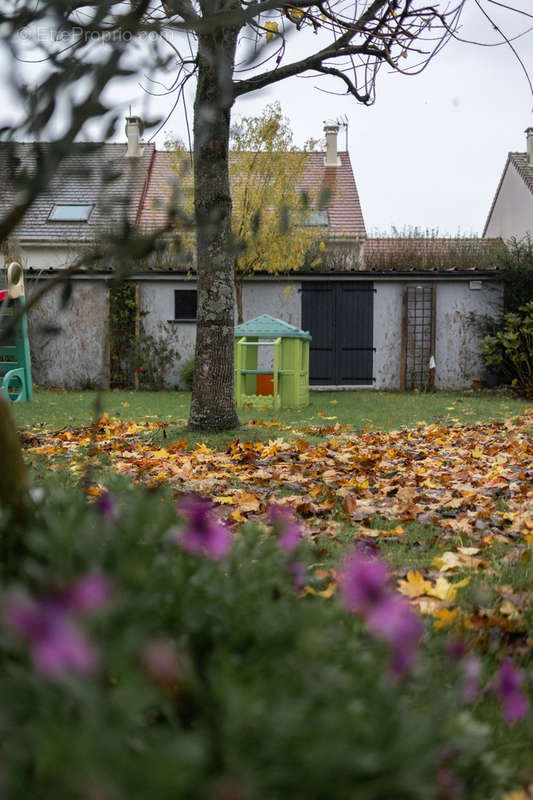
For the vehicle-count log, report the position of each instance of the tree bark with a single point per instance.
(213, 404)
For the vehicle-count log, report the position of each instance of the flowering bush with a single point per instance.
(146, 653)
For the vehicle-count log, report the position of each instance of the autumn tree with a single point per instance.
(270, 212)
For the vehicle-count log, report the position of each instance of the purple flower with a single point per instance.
(393, 620)
(203, 533)
(286, 526)
(387, 615)
(89, 593)
(55, 643)
(507, 688)
(107, 506)
(364, 582)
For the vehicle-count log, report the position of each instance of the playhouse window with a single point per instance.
(70, 212)
(185, 304)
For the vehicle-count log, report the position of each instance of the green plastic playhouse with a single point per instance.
(266, 346)
(15, 365)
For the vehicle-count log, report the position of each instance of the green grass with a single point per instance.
(367, 410)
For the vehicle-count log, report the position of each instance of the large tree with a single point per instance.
(272, 41)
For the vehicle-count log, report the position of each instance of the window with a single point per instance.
(316, 219)
(70, 212)
(185, 304)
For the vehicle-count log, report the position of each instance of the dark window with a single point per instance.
(185, 304)
(70, 212)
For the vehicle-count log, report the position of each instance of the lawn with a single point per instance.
(360, 409)
(440, 485)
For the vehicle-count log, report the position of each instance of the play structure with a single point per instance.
(15, 365)
(271, 364)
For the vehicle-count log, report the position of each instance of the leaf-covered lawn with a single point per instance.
(451, 506)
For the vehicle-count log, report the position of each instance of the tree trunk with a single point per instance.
(213, 404)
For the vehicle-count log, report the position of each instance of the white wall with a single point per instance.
(387, 334)
(512, 214)
(68, 345)
(279, 299)
(40, 257)
(457, 341)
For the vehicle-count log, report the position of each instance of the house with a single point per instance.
(378, 309)
(511, 212)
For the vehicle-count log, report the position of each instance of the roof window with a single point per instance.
(315, 219)
(70, 212)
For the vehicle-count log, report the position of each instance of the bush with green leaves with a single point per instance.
(509, 349)
(156, 354)
(146, 654)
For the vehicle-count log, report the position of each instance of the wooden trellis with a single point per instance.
(418, 336)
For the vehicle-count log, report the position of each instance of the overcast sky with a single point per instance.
(431, 151)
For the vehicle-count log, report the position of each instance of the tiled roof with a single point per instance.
(345, 218)
(523, 167)
(100, 174)
(525, 170)
(410, 254)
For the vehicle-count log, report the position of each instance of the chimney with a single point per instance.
(332, 158)
(134, 130)
(529, 134)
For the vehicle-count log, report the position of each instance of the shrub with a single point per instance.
(509, 349)
(187, 372)
(133, 666)
(155, 356)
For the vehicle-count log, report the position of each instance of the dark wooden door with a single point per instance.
(340, 318)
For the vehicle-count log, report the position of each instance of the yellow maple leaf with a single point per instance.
(162, 453)
(445, 618)
(415, 584)
(225, 500)
(477, 452)
(444, 590)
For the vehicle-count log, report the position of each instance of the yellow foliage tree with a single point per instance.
(270, 215)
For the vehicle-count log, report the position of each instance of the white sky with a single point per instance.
(431, 151)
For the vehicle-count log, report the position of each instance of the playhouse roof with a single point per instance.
(270, 328)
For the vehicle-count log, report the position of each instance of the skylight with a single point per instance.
(316, 219)
(70, 212)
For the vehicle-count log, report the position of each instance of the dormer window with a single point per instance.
(70, 212)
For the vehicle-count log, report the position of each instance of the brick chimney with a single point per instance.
(332, 158)
(134, 130)
(529, 134)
